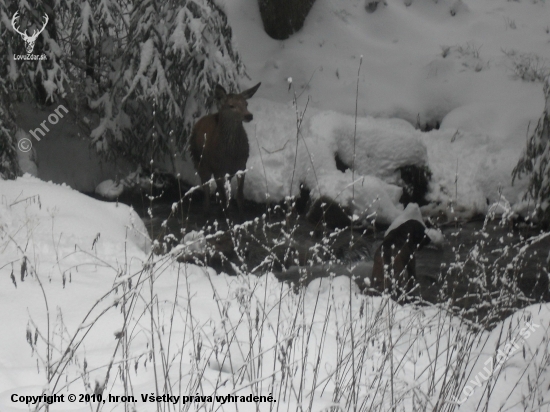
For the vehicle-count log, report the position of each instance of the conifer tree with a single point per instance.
(136, 73)
(535, 161)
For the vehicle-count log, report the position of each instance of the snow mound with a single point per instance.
(70, 217)
(468, 169)
(437, 239)
(367, 197)
(109, 189)
(193, 245)
(502, 358)
(470, 166)
(381, 146)
(341, 285)
(470, 67)
(411, 212)
(290, 147)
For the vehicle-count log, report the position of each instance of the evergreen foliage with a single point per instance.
(9, 167)
(145, 69)
(535, 161)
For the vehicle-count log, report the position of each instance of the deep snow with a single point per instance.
(420, 63)
(472, 72)
(85, 252)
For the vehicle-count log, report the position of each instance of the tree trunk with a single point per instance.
(281, 18)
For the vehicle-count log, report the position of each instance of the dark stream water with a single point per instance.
(481, 266)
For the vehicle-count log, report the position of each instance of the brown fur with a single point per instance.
(394, 260)
(219, 144)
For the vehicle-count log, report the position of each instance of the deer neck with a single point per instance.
(232, 130)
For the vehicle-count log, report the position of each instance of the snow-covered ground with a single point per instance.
(92, 297)
(95, 304)
(474, 67)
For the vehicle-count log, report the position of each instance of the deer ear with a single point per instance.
(247, 94)
(220, 93)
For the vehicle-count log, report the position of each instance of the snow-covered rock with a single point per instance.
(109, 189)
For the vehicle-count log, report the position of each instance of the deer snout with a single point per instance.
(248, 117)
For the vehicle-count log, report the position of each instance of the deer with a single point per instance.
(29, 40)
(219, 144)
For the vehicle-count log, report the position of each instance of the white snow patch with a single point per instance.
(109, 189)
(411, 212)
(74, 218)
(83, 273)
(375, 147)
(280, 157)
(436, 237)
(425, 62)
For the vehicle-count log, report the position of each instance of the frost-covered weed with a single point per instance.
(181, 329)
(528, 66)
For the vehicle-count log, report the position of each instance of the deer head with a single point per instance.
(29, 40)
(235, 103)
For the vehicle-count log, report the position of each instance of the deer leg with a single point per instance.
(240, 194)
(220, 183)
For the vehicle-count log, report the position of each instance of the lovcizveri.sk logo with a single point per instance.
(29, 40)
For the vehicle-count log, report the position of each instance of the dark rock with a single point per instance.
(281, 18)
(394, 268)
(416, 180)
(325, 211)
(340, 165)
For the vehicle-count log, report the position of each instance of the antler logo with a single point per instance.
(29, 40)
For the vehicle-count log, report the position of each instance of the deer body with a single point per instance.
(219, 144)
